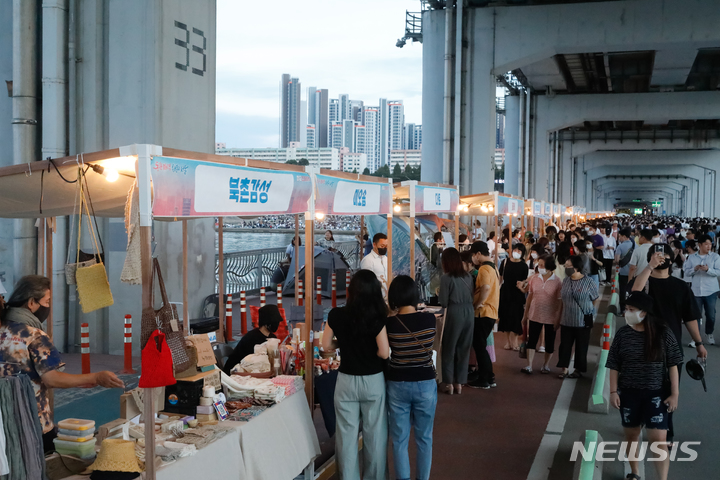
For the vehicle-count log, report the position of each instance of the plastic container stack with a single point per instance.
(76, 437)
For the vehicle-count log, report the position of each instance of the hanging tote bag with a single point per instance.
(167, 321)
(92, 283)
(82, 259)
(157, 363)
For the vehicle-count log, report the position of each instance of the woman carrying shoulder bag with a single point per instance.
(578, 294)
(360, 390)
(411, 385)
(644, 379)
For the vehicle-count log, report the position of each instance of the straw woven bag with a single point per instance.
(92, 283)
(83, 259)
(167, 321)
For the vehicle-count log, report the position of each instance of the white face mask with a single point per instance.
(542, 271)
(589, 245)
(656, 240)
(517, 255)
(633, 317)
(534, 255)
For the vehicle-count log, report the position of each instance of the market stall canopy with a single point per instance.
(340, 193)
(418, 198)
(38, 190)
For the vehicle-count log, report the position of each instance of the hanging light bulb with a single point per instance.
(319, 215)
(397, 208)
(492, 207)
(111, 175)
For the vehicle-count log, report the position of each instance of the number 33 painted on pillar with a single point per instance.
(189, 46)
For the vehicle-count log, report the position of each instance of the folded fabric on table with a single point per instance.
(203, 436)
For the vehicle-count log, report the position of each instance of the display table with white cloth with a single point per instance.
(278, 444)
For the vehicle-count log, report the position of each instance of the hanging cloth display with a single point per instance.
(157, 363)
(132, 271)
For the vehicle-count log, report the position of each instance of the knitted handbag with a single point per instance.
(167, 321)
(83, 259)
(92, 283)
(157, 363)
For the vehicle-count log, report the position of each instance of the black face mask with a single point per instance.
(665, 265)
(382, 251)
(569, 271)
(273, 328)
(42, 313)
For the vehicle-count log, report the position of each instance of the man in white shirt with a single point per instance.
(376, 261)
(639, 261)
(703, 268)
(608, 249)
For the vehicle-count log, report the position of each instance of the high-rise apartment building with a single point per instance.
(396, 123)
(311, 136)
(349, 134)
(360, 138)
(290, 110)
(345, 107)
(383, 133)
(357, 107)
(318, 115)
(336, 135)
(371, 116)
(412, 139)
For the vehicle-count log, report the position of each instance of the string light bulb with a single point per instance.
(397, 208)
(319, 215)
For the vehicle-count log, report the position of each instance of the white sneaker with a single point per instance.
(710, 340)
(691, 344)
(541, 350)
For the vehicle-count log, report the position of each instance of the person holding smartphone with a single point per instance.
(703, 270)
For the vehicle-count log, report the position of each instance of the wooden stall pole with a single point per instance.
(143, 178)
(221, 281)
(362, 240)
(457, 231)
(412, 247)
(307, 335)
(49, 222)
(389, 249)
(298, 293)
(186, 306)
(498, 238)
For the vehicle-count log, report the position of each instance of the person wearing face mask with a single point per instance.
(543, 309)
(608, 253)
(703, 270)
(29, 303)
(28, 350)
(578, 294)
(638, 357)
(376, 261)
(486, 299)
(673, 299)
(513, 272)
(536, 251)
(269, 321)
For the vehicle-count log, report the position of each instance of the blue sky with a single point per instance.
(345, 46)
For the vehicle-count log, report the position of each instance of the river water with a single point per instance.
(243, 241)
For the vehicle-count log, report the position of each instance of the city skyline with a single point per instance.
(250, 61)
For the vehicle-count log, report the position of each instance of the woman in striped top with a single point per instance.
(411, 386)
(578, 294)
(643, 362)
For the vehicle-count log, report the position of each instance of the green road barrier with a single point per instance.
(598, 397)
(587, 467)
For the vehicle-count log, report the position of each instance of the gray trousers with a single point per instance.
(361, 398)
(456, 343)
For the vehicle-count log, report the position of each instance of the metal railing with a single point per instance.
(252, 269)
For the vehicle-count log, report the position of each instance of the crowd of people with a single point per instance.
(668, 274)
(329, 222)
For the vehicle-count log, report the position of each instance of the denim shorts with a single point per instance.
(640, 407)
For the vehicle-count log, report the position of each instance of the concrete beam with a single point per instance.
(532, 33)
